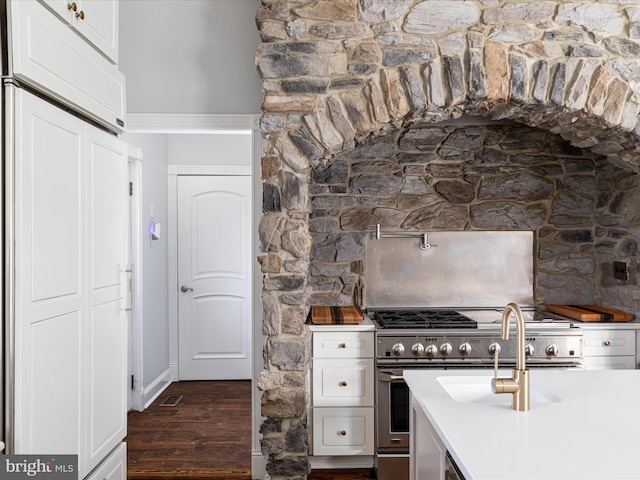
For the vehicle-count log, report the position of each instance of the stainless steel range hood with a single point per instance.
(475, 269)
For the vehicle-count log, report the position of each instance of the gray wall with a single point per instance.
(210, 149)
(190, 56)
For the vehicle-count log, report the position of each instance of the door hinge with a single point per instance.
(130, 188)
(133, 383)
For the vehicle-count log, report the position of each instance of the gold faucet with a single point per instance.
(519, 384)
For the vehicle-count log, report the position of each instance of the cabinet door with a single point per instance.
(50, 56)
(107, 181)
(97, 21)
(62, 8)
(50, 313)
(114, 466)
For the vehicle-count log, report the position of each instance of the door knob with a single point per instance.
(185, 289)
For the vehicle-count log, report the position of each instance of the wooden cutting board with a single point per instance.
(336, 315)
(590, 313)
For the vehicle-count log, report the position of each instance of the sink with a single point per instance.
(472, 389)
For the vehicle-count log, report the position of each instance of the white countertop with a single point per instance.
(591, 433)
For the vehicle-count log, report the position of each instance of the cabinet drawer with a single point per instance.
(114, 467)
(343, 383)
(611, 362)
(343, 344)
(343, 431)
(609, 342)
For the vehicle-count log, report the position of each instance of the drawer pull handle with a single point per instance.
(343, 432)
(606, 343)
(342, 345)
(343, 384)
(72, 6)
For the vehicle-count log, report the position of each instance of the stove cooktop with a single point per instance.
(422, 319)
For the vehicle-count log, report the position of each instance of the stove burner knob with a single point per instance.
(431, 351)
(445, 349)
(529, 351)
(494, 348)
(465, 349)
(417, 349)
(397, 349)
(551, 350)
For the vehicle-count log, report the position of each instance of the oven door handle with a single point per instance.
(389, 377)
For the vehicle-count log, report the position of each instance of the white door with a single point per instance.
(214, 277)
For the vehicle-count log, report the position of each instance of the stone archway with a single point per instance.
(337, 72)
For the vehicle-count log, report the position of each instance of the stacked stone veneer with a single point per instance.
(427, 178)
(346, 77)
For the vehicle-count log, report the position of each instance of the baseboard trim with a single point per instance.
(258, 465)
(153, 391)
(355, 461)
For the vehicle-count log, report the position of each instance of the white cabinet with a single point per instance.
(47, 55)
(427, 460)
(95, 20)
(343, 378)
(71, 182)
(114, 466)
(609, 349)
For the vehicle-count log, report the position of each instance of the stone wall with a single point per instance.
(487, 177)
(339, 76)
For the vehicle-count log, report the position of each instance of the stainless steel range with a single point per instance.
(440, 306)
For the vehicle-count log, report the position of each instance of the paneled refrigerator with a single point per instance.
(64, 192)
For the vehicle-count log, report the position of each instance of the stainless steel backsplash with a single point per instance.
(460, 269)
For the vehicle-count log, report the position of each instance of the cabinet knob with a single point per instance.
(342, 345)
(343, 384)
(80, 15)
(606, 343)
(72, 6)
(343, 432)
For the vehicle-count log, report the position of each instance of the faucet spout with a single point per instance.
(518, 385)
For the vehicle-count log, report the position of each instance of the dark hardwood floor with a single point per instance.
(206, 436)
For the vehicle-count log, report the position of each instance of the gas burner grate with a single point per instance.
(441, 319)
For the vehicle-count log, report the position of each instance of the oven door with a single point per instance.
(393, 412)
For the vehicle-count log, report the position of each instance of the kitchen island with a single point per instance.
(582, 425)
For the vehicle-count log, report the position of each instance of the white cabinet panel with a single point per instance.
(70, 327)
(50, 198)
(114, 467)
(107, 395)
(49, 249)
(50, 409)
(610, 363)
(95, 20)
(51, 57)
(108, 180)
